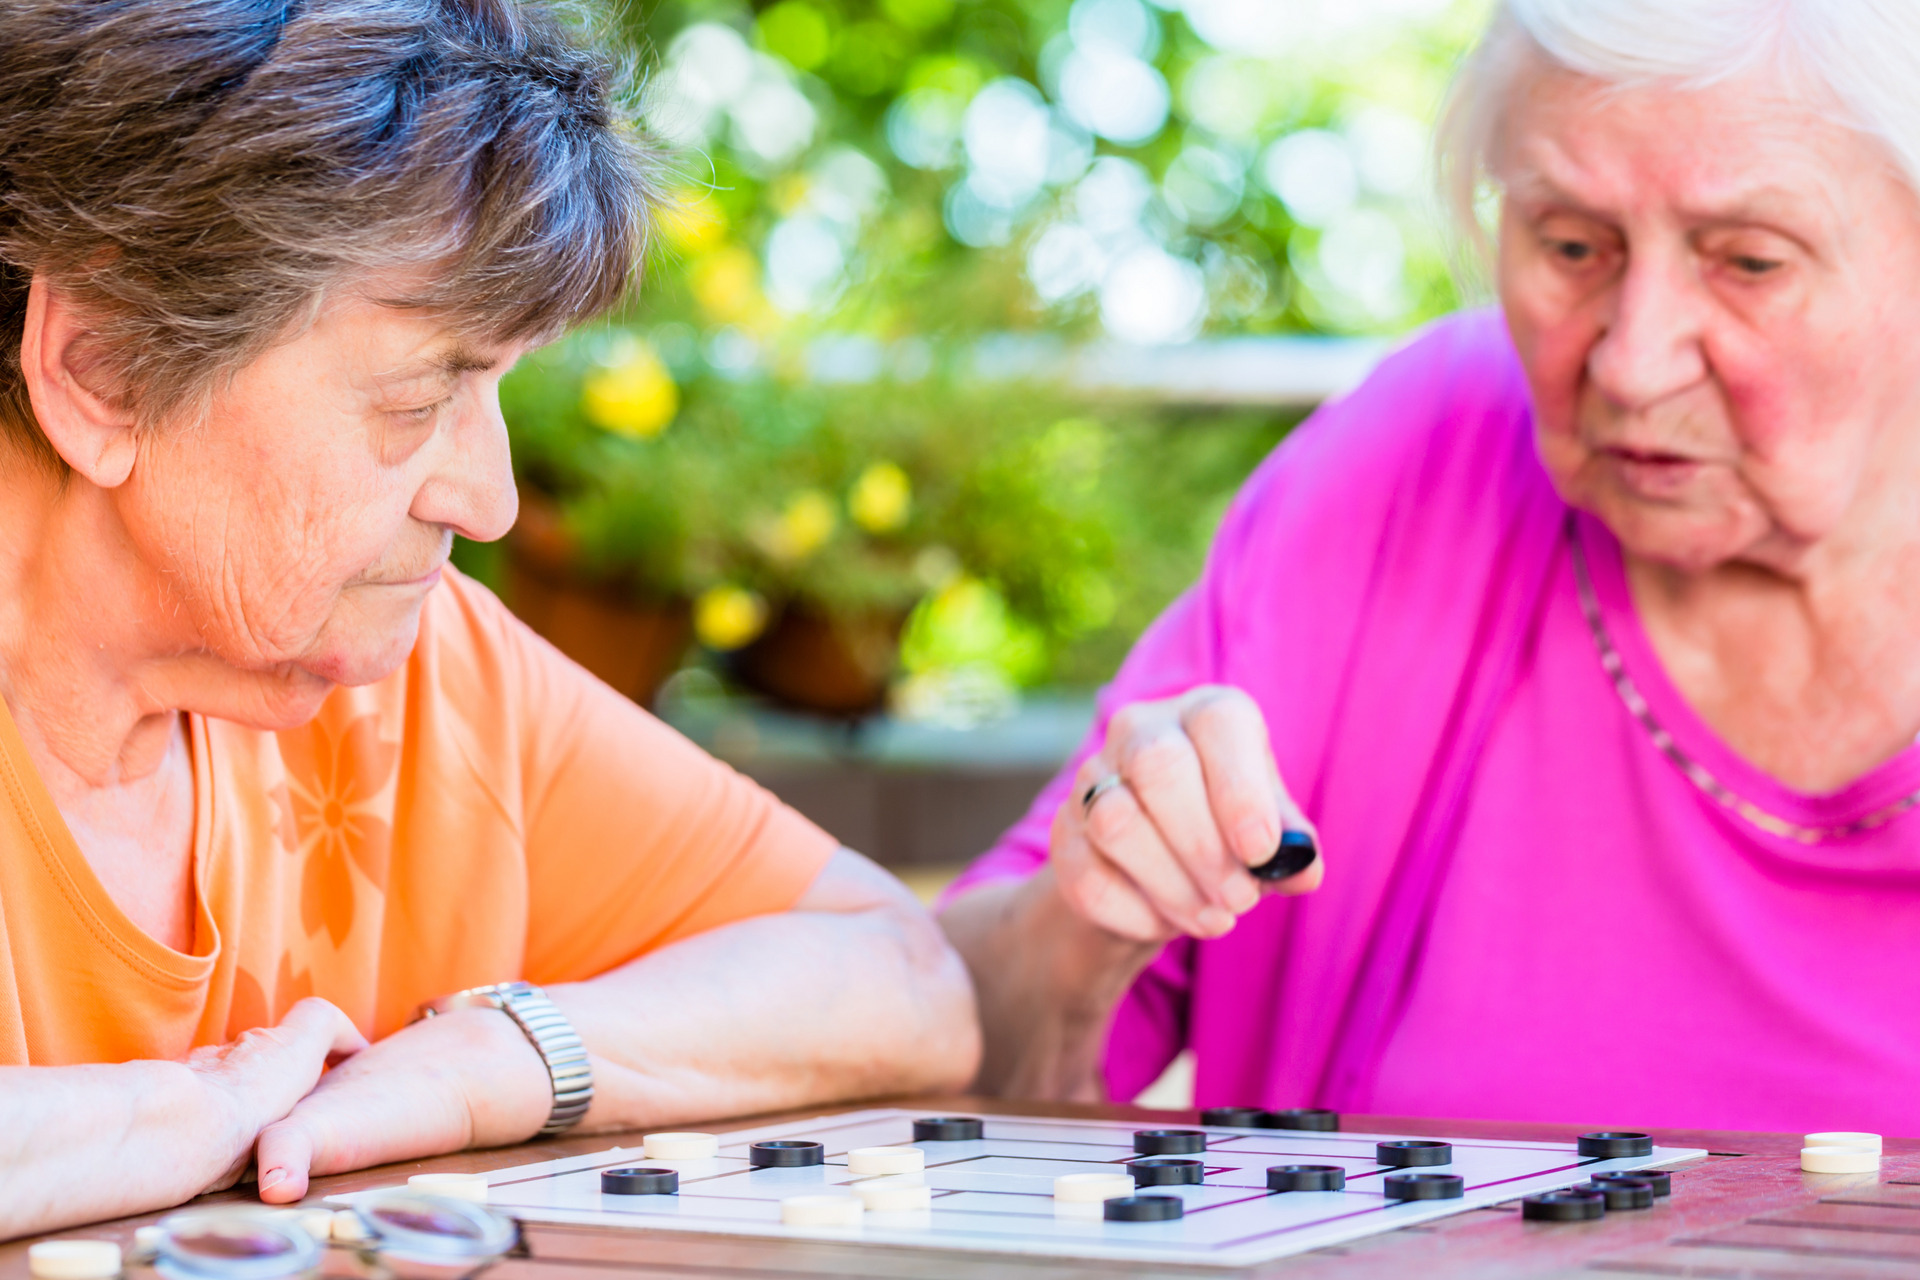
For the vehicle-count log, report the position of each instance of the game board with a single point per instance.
(995, 1194)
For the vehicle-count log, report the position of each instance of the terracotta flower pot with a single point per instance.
(821, 662)
(630, 643)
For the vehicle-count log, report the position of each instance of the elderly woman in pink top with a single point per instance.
(1585, 638)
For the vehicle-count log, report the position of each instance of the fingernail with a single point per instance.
(1258, 840)
(1214, 922)
(272, 1178)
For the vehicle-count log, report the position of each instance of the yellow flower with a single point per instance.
(728, 617)
(635, 396)
(803, 528)
(881, 498)
(726, 283)
(693, 222)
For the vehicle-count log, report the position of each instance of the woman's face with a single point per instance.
(301, 527)
(1715, 295)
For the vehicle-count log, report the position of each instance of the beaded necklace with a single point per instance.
(1690, 768)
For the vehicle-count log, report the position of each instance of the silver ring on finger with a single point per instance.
(1091, 796)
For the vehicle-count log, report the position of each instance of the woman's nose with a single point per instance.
(472, 490)
(1651, 346)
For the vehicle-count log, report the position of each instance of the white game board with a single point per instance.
(995, 1194)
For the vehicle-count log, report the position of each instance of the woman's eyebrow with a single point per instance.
(449, 362)
(1766, 204)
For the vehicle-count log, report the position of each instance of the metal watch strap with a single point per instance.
(553, 1038)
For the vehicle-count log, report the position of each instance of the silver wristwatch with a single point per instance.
(553, 1037)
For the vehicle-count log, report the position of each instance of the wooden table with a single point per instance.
(1745, 1210)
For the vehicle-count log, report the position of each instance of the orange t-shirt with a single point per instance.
(487, 813)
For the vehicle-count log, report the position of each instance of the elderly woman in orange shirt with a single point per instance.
(273, 778)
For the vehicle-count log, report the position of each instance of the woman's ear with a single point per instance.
(92, 434)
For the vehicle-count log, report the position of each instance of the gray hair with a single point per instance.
(194, 175)
(1861, 56)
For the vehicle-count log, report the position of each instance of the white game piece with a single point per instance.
(902, 1194)
(1857, 1141)
(1091, 1188)
(821, 1211)
(680, 1146)
(347, 1227)
(864, 1162)
(317, 1223)
(1839, 1160)
(461, 1186)
(74, 1259)
(146, 1242)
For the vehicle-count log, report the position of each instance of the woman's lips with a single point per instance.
(1651, 473)
(429, 579)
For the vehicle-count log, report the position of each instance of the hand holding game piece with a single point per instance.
(1170, 817)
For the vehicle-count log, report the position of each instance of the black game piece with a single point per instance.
(1306, 1177)
(1144, 1208)
(1564, 1206)
(1296, 853)
(785, 1153)
(1232, 1117)
(1662, 1183)
(1165, 1171)
(639, 1182)
(1622, 1193)
(1311, 1119)
(1611, 1146)
(1169, 1142)
(946, 1129)
(1412, 1153)
(1424, 1186)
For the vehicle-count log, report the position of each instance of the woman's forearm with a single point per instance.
(79, 1144)
(1047, 983)
(853, 994)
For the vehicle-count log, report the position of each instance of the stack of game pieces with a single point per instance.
(890, 1179)
(1841, 1153)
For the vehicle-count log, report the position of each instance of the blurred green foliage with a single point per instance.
(870, 192)
(1042, 536)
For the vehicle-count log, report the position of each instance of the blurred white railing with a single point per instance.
(1292, 372)
(1280, 372)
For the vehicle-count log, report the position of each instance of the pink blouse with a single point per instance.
(1552, 893)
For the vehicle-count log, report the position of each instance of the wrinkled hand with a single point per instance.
(1201, 801)
(263, 1075)
(469, 1078)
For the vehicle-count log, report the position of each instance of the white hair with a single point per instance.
(1859, 59)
